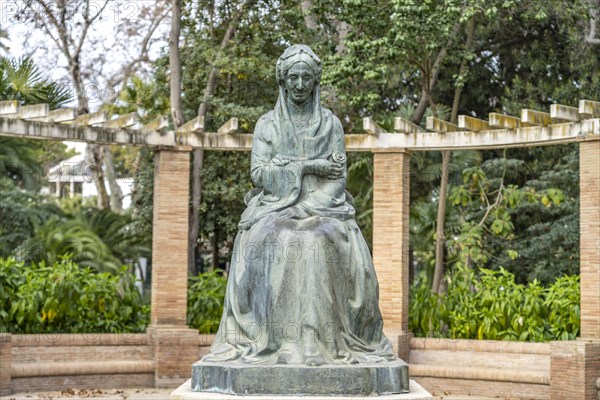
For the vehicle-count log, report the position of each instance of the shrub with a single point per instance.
(64, 297)
(492, 306)
(206, 294)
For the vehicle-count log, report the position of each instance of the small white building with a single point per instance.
(74, 176)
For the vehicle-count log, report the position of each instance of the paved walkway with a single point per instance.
(147, 394)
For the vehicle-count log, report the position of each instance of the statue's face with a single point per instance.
(300, 82)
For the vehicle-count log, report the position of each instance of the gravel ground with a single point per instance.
(146, 394)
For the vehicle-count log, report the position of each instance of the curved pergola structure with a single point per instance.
(577, 363)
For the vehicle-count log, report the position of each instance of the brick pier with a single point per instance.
(175, 345)
(391, 192)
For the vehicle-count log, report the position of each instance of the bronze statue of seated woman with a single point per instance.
(302, 287)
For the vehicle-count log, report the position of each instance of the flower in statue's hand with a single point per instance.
(338, 157)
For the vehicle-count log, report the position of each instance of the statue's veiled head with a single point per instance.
(298, 72)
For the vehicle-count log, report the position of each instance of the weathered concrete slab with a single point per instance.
(330, 380)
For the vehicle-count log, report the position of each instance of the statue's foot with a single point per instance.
(312, 356)
(315, 361)
(284, 358)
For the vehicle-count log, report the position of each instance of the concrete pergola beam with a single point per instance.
(490, 139)
(372, 127)
(24, 112)
(497, 120)
(196, 125)
(404, 126)
(439, 125)
(589, 109)
(231, 126)
(534, 117)
(156, 124)
(472, 124)
(560, 113)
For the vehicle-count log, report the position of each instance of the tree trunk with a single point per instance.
(82, 101)
(427, 84)
(462, 70)
(94, 160)
(431, 74)
(591, 36)
(175, 65)
(116, 194)
(55, 17)
(309, 19)
(440, 238)
(215, 250)
(95, 154)
(198, 154)
(177, 115)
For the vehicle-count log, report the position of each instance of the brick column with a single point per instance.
(5, 363)
(589, 226)
(170, 237)
(580, 361)
(391, 191)
(574, 368)
(175, 345)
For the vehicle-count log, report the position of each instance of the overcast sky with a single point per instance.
(112, 43)
(107, 33)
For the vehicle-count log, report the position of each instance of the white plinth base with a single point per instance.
(184, 392)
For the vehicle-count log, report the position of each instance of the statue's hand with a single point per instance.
(327, 169)
(281, 160)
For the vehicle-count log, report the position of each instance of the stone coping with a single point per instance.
(184, 392)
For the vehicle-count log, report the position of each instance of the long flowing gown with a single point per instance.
(302, 288)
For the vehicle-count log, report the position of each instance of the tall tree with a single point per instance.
(231, 22)
(440, 237)
(175, 64)
(68, 25)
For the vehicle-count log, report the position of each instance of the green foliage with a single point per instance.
(22, 80)
(480, 215)
(546, 233)
(99, 239)
(206, 294)
(20, 212)
(492, 306)
(142, 198)
(360, 185)
(246, 85)
(148, 99)
(63, 297)
(23, 162)
(226, 179)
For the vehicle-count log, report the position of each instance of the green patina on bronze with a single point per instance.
(302, 289)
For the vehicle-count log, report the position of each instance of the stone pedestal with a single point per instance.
(343, 380)
(184, 392)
